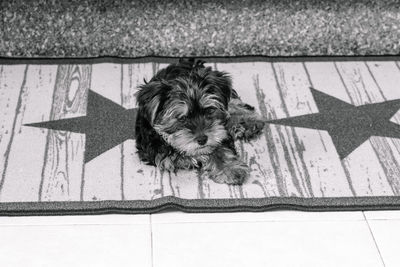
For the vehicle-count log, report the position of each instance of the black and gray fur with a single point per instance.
(189, 117)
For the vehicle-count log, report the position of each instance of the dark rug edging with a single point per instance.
(209, 59)
(198, 205)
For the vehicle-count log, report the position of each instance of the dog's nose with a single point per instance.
(202, 139)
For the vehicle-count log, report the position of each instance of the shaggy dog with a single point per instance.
(189, 117)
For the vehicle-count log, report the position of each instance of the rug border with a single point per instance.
(198, 205)
(209, 59)
(195, 205)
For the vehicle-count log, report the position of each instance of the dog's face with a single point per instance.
(189, 111)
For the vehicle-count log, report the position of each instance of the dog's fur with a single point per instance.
(189, 117)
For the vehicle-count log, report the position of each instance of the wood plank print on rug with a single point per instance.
(47, 165)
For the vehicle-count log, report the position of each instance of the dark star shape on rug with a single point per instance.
(349, 126)
(105, 125)
(108, 124)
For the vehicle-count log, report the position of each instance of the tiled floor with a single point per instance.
(282, 238)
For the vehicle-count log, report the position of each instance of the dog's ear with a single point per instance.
(186, 62)
(150, 98)
(191, 63)
(223, 82)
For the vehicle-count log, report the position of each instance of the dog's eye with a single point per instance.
(182, 119)
(210, 111)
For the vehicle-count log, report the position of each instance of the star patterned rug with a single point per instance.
(331, 141)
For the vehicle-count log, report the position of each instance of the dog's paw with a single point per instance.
(244, 122)
(237, 131)
(166, 164)
(247, 129)
(187, 163)
(233, 174)
(253, 128)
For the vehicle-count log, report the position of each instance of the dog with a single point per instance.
(189, 117)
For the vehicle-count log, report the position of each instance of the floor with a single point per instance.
(278, 238)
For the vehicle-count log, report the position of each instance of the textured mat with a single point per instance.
(332, 141)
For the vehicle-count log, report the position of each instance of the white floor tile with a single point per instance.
(286, 243)
(174, 217)
(75, 245)
(383, 215)
(72, 220)
(387, 237)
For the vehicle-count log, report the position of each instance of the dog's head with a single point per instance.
(188, 107)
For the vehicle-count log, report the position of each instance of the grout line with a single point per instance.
(69, 224)
(151, 241)
(262, 221)
(383, 219)
(397, 64)
(373, 237)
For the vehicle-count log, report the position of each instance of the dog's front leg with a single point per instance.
(166, 162)
(244, 122)
(175, 162)
(224, 166)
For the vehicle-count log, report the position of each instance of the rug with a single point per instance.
(332, 139)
